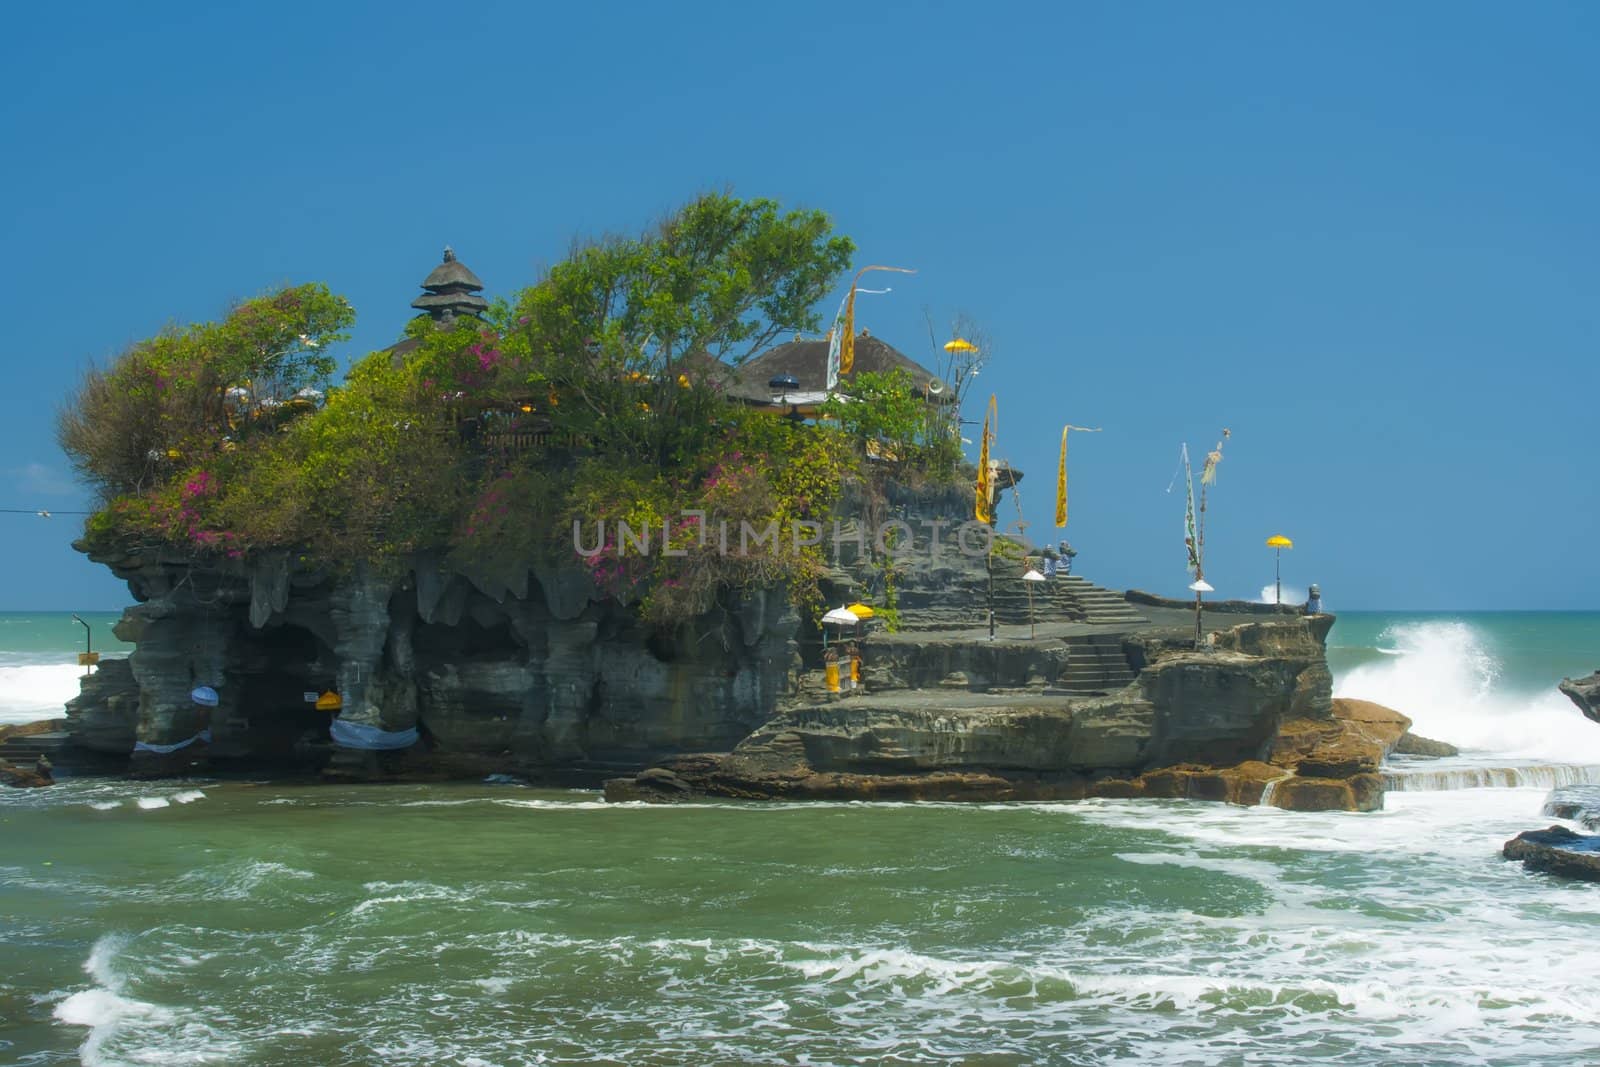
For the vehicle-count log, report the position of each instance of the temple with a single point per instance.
(451, 292)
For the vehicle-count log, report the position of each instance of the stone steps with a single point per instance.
(1097, 604)
(24, 750)
(1096, 665)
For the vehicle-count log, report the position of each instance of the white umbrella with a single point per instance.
(838, 617)
(1201, 586)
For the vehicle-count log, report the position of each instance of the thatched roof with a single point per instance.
(452, 273)
(807, 362)
(452, 290)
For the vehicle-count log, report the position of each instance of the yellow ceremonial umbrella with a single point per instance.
(861, 611)
(1278, 543)
(960, 344)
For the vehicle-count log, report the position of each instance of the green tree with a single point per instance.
(637, 331)
(165, 403)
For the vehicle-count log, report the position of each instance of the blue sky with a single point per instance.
(1361, 236)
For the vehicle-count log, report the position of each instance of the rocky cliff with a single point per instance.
(533, 671)
(1584, 692)
(515, 672)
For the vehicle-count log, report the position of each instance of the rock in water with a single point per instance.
(22, 777)
(1580, 803)
(1584, 692)
(1557, 851)
(1411, 744)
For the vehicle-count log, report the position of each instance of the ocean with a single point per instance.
(241, 922)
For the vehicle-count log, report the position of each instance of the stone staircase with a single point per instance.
(961, 604)
(1096, 665)
(25, 751)
(1098, 605)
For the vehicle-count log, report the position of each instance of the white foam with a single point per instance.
(37, 691)
(151, 803)
(105, 1008)
(1447, 679)
(188, 796)
(1292, 594)
(241, 880)
(407, 893)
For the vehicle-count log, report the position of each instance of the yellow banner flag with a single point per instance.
(1061, 481)
(847, 343)
(983, 509)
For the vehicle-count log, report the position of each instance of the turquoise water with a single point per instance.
(38, 659)
(235, 922)
(1532, 649)
(53, 637)
(1483, 680)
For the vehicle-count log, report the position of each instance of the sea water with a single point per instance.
(235, 922)
(38, 659)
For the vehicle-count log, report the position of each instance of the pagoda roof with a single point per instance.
(452, 274)
(470, 302)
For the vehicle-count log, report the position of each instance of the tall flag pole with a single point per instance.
(1061, 473)
(1190, 539)
(847, 340)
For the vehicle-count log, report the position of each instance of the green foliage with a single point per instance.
(164, 404)
(618, 355)
(629, 332)
(378, 471)
(890, 420)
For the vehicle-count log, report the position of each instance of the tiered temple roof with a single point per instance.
(451, 291)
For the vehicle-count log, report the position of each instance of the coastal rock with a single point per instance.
(1243, 784)
(1385, 726)
(1557, 851)
(1222, 710)
(1357, 792)
(1217, 708)
(515, 667)
(1579, 803)
(1584, 692)
(23, 777)
(494, 686)
(104, 716)
(1411, 744)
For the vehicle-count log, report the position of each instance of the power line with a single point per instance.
(43, 513)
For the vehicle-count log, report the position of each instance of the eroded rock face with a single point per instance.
(1193, 724)
(504, 668)
(1584, 692)
(104, 716)
(497, 672)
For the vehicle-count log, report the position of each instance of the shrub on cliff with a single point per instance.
(889, 420)
(165, 404)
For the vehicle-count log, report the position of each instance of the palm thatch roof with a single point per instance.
(807, 363)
